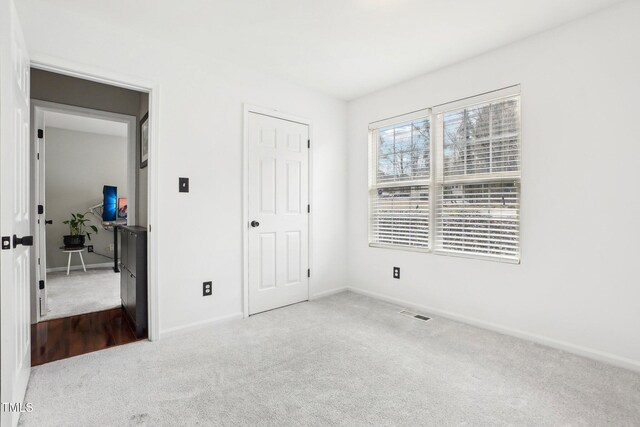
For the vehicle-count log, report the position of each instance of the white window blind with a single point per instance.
(478, 207)
(479, 218)
(466, 200)
(400, 180)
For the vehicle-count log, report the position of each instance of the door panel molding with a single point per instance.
(293, 145)
(15, 215)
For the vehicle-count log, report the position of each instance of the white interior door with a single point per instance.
(38, 142)
(15, 204)
(278, 187)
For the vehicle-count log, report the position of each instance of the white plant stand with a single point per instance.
(78, 251)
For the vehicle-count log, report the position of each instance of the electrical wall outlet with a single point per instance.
(90, 248)
(207, 289)
(396, 272)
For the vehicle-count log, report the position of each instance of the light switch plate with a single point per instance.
(183, 185)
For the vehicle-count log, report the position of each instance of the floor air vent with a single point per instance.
(414, 315)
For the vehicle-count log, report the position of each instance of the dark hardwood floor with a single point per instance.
(75, 335)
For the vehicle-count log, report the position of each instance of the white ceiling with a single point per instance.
(85, 124)
(346, 48)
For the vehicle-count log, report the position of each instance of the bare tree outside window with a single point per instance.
(400, 209)
(479, 210)
(474, 199)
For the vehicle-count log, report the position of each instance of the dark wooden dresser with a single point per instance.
(133, 276)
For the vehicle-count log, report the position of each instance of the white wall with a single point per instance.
(577, 286)
(200, 137)
(78, 165)
(577, 283)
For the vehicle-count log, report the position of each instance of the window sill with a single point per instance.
(447, 253)
(399, 248)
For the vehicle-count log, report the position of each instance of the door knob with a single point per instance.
(48, 221)
(24, 241)
(255, 224)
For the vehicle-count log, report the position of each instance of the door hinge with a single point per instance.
(38, 261)
(308, 143)
(40, 209)
(41, 284)
(308, 272)
(38, 156)
(308, 208)
(40, 134)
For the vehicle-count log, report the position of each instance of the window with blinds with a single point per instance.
(478, 205)
(470, 190)
(399, 190)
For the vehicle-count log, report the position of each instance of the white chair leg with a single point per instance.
(82, 261)
(68, 263)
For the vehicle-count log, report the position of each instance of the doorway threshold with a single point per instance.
(71, 336)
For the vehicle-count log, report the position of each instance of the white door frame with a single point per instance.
(40, 107)
(248, 108)
(82, 71)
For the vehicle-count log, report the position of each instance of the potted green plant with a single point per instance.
(78, 229)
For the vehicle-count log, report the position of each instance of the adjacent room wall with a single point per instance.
(143, 174)
(199, 234)
(53, 87)
(78, 165)
(61, 89)
(577, 285)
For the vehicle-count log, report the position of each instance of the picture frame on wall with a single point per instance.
(144, 141)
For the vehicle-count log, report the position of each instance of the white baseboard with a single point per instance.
(327, 293)
(590, 353)
(79, 267)
(197, 325)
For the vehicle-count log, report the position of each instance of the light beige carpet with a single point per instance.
(79, 292)
(342, 360)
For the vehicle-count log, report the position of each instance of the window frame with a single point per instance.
(437, 181)
(374, 186)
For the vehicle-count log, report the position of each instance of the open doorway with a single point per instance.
(89, 187)
(82, 163)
